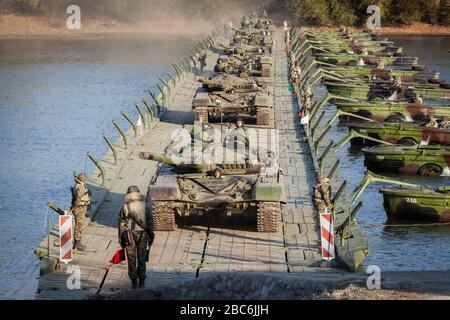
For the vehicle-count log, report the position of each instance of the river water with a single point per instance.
(400, 248)
(56, 99)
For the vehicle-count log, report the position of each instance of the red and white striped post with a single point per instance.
(65, 238)
(327, 235)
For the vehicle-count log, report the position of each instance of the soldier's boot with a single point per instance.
(141, 283)
(134, 284)
(77, 245)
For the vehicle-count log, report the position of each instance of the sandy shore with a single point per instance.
(12, 27)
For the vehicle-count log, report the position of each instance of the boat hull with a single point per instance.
(401, 205)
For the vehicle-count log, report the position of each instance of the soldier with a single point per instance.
(217, 173)
(445, 122)
(135, 234)
(397, 82)
(322, 193)
(380, 64)
(81, 199)
(202, 60)
(416, 99)
(432, 123)
(307, 93)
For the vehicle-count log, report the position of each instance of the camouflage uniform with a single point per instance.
(445, 122)
(417, 99)
(202, 60)
(322, 193)
(380, 64)
(80, 203)
(135, 203)
(432, 123)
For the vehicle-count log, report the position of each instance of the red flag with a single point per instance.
(118, 257)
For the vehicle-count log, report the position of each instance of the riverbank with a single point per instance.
(13, 27)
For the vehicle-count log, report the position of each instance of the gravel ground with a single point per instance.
(309, 285)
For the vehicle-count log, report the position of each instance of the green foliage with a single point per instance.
(316, 12)
(353, 12)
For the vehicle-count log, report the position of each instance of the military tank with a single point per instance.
(238, 184)
(232, 84)
(214, 106)
(244, 65)
(426, 160)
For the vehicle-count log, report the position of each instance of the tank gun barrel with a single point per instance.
(156, 157)
(233, 168)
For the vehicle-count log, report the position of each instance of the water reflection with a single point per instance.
(56, 99)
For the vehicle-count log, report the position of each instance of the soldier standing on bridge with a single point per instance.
(81, 199)
(136, 234)
(202, 60)
(322, 193)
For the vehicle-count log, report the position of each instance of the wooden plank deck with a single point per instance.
(200, 245)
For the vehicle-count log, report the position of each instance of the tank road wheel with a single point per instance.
(407, 141)
(201, 114)
(262, 116)
(430, 169)
(395, 118)
(267, 214)
(163, 216)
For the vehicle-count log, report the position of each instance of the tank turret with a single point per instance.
(227, 168)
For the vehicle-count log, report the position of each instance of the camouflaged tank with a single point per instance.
(380, 90)
(394, 111)
(417, 204)
(426, 160)
(232, 84)
(401, 133)
(238, 184)
(244, 65)
(219, 106)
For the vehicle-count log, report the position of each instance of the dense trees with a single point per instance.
(354, 11)
(319, 12)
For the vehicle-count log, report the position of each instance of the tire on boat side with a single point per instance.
(430, 169)
(407, 141)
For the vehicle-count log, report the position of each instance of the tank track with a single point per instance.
(262, 116)
(163, 216)
(267, 214)
(201, 114)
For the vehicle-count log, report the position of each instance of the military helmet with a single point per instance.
(133, 189)
(82, 177)
(320, 175)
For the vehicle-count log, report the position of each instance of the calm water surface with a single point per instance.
(401, 248)
(56, 99)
